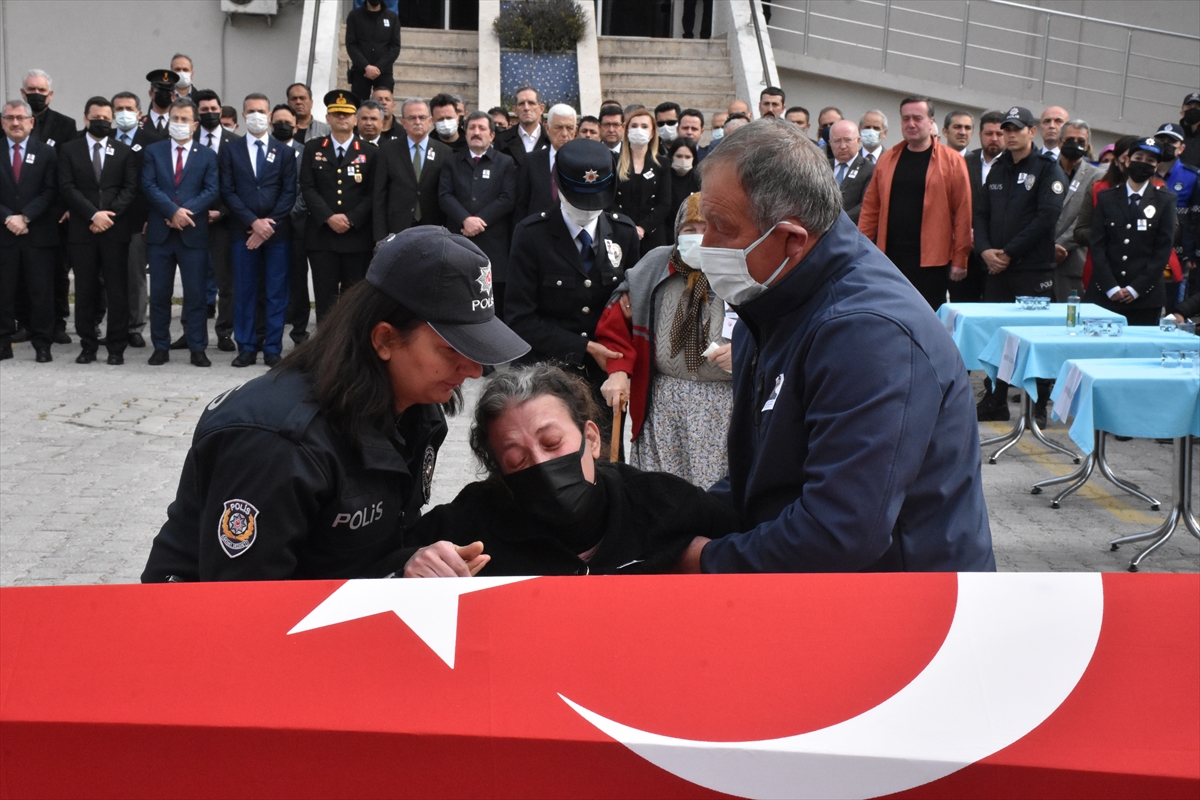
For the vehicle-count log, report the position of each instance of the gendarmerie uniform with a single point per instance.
(338, 185)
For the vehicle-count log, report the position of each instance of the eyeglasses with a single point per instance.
(11, 118)
(423, 118)
(670, 123)
(842, 141)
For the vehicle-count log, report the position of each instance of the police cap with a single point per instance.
(1149, 145)
(445, 280)
(163, 78)
(583, 170)
(1194, 97)
(1019, 117)
(1170, 129)
(340, 101)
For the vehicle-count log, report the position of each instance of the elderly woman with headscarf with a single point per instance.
(674, 333)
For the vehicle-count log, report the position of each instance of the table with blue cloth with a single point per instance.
(973, 324)
(1139, 398)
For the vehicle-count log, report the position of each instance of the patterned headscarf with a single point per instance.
(686, 333)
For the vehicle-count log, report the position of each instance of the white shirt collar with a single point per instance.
(876, 152)
(92, 142)
(1129, 192)
(837, 163)
(344, 145)
(530, 140)
(251, 139)
(575, 229)
(988, 161)
(617, 147)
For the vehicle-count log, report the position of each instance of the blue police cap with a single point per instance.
(583, 169)
(1149, 144)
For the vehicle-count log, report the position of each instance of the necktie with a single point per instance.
(417, 170)
(841, 174)
(871, 157)
(476, 159)
(1133, 201)
(210, 142)
(17, 162)
(161, 125)
(340, 153)
(178, 165)
(586, 253)
(260, 161)
(97, 165)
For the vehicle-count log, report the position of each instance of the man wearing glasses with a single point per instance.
(408, 173)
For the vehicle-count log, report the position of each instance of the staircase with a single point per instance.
(430, 61)
(692, 72)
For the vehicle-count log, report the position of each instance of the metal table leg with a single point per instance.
(1106, 471)
(1041, 437)
(1180, 509)
(1004, 437)
(1074, 487)
(1027, 421)
(1084, 472)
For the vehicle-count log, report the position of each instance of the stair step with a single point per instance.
(429, 72)
(679, 48)
(450, 56)
(665, 65)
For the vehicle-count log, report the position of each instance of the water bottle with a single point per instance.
(1072, 312)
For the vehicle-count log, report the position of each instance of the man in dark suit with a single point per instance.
(850, 169)
(181, 183)
(98, 178)
(258, 184)
(126, 110)
(407, 175)
(528, 136)
(536, 190)
(337, 174)
(991, 136)
(29, 238)
(477, 193)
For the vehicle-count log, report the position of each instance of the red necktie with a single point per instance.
(178, 165)
(476, 159)
(17, 163)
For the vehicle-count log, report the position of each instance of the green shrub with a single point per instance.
(540, 26)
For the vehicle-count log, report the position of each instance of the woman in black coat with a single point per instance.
(685, 179)
(643, 181)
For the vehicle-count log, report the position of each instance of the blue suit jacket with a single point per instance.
(197, 192)
(271, 194)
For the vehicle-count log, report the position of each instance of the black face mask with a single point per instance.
(163, 97)
(283, 131)
(1168, 151)
(210, 120)
(556, 493)
(1190, 117)
(823, 133)
(1140, 171)
(37, 102)
(1072, 151)
(99, 128)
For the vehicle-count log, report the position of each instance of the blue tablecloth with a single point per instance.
(973, 324)
(1040, 352)
(1127, 397)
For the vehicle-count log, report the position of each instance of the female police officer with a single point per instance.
(315, 470)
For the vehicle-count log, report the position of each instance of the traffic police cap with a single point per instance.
(340, 101)
(1170, 129)
(444, 279)
(163, 77)
(1194, 97)
(583, 170)
(1149, 145)
(1021, 117)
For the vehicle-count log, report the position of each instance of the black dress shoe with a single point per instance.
(86, 357)
(22, 335)
(60, 337)
(180, 343)
(299, 337)
(225, 344)
(158, 358)
(271, 359)
(199, 359)
(43, 355)
(246, 358)
(6, 352)
(116, 359)
(136, 340)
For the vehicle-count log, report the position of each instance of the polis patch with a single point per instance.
(427, 473)
(238, 527)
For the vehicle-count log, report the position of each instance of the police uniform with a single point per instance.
(1018, 208)
(338, 186)
(1131, 241)
(556, 292)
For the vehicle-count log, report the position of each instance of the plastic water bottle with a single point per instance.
(1072, 312)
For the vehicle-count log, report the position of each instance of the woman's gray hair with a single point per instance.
(783, 174)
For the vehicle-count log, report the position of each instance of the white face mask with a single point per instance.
(230, 128)
(256, 123)
(638, 137)
(682, 166)
(688, 245)
(179, 131)
(579, 216)
(667, 132)
(718, 134)
(126, 120)
(446, 127)
(185, 79)
(728, 274)
(870, 138)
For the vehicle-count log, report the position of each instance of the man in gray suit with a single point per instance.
(851, 171)
(1069, 256)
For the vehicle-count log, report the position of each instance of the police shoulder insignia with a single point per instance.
(238, 527)
(1056, 187)
(1179, 186)
(427, 473)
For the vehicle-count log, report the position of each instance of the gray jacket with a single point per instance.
(1079, 192)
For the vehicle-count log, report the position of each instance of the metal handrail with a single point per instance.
(762, 50)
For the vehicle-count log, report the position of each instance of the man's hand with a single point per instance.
(213, 215)
(260, 231)
(339, 222)
(641, 232)
(616, 388)
(446, 560)
(601, 354)
(996, 260)
(16, 224)
(371, 72)
(689, 562)
(101, 221)
(626, 307)
(1123, 295)
(1060, 253)
(473, 226)
(723, 357)
(66, 216)
(958, 273)
(182, 219)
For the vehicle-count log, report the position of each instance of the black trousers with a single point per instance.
(970, 288)
(298, 300)
(931, 282)
(1007, 286)
(33, 269)
(362, 86)
(334, 273)
(90, 260)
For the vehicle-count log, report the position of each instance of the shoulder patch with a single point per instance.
(238, 527)
(1056, 187)
(427, 473)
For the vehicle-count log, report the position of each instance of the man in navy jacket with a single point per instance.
(258, 184)
(180, 183)
(853, 444)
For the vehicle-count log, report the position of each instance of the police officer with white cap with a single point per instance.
(316, 469)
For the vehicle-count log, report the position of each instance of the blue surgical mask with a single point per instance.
(728, 274)
(718, 134)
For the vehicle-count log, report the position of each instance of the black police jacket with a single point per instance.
(270, 492)
(1018, 208)
(1130, 247)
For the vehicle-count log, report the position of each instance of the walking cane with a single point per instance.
(614, 450)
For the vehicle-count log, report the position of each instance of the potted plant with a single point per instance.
(537, 48)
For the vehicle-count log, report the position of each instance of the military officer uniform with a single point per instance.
(338, 185)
